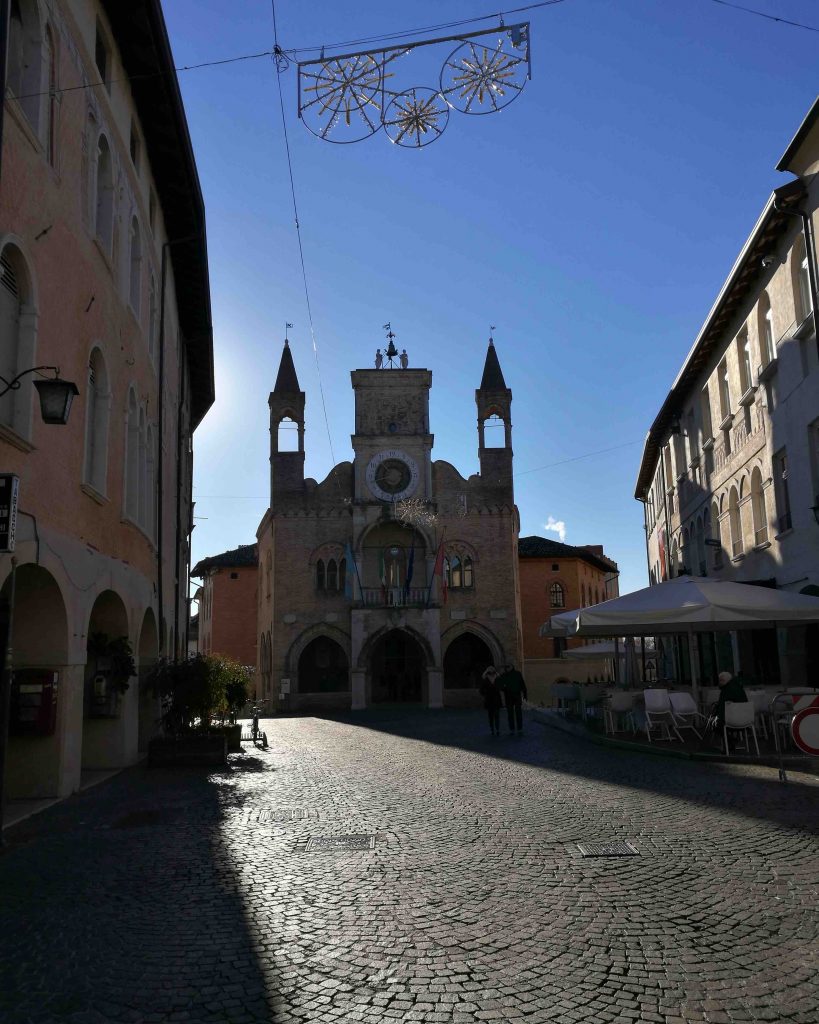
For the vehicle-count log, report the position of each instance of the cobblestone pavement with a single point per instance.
(189, 896)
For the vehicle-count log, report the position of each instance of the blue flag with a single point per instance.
(351, 568)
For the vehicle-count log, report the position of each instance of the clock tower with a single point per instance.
(392, 442)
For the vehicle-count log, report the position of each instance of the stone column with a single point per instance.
(435, 687)
(359, 689)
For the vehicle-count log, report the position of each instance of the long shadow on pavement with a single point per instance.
(122, 904)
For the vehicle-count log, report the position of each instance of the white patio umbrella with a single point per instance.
(690, 605)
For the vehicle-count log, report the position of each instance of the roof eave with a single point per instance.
(801, 134)
(743, 272)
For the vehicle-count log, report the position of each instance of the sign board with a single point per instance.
(285, 686)
(9, 490)
(805, 729)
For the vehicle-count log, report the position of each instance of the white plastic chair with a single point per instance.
(761, 702)
(739, 716)
(685, 712)
(658, 713)
(618, 705)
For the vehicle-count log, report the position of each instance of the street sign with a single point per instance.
(805, 729)
(9, 490)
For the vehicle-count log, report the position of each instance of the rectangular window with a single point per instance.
(724, 390)
(783, 501)
(705, 411)
(101, 57)
(768, 335)
(744, 359)
(134, 147)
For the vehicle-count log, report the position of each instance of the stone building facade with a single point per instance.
(352, 611)
(227, 601)
(729, 477)
(103, 273)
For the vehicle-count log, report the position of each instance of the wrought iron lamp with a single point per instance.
(815, 509)
(56, 395)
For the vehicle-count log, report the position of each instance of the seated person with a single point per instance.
(730, 689)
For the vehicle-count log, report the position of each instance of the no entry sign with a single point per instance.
(805, 729)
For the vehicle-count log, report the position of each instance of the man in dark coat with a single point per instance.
(514, 691)
(492, 699)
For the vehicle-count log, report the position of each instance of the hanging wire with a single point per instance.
(282, 63)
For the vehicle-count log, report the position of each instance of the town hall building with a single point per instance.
(395, 579)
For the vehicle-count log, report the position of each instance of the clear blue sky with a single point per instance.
(593, 221)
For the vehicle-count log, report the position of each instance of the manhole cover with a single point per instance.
(331, 844)
(616, 849)
(276, 814)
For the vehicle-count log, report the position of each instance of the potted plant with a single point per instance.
(110, 667)
(229, 689)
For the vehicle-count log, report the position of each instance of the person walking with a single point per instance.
(492, 698)
(514, 691)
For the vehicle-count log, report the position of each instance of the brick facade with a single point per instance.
(386, 639)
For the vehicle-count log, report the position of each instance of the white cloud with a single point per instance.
(556, 526)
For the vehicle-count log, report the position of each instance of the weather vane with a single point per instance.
(347, 99)
(287, 327)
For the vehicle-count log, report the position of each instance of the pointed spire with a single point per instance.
(287, 381)
(492, 379)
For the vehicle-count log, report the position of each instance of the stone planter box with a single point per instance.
(233, 734)
(188, 750)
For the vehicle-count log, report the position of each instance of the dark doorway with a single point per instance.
(465, 660)
(323, 667)
(397, 669)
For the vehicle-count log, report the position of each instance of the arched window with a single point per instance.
(702, 565)
(24, 62)
(17, 338)
(132, 460)
(153, 321)
(143, 471)
(342, 574)
(50, 78)
(455, 575)
(800, 279)
(288, 435)
(494, 432)
(766, 334)
(104, 195)
(467, 572)
(98, 400)
(447, 574)
(557, 596)
(150, 478)
(321, 577)
(758, 508)
(735, 523)
(135, 285)
(332, 575)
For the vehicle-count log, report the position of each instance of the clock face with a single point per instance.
(392, 475)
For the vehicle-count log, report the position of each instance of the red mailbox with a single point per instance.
(33, 702)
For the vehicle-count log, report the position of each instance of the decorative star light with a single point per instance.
(479, 76)
(415, 512)
(416, 117)
(347, 99)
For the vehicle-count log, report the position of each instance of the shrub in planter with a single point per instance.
(111, 666)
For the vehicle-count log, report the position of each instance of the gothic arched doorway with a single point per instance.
(397, 669)
(465, 660)
(323, 667)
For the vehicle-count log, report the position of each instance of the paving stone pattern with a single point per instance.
(189, 896)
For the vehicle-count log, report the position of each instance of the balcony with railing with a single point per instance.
(395, 597)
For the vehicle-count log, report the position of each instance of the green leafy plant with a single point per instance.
(114, 658)
(196, 691)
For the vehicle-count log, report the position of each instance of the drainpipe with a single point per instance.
(645, 531)
(179, 454)
(5, 13)
(160, 490)
(669, 566)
